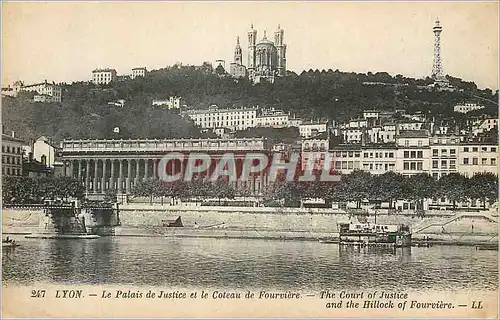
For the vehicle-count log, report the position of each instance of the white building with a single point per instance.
(412, 155)
(411, 125)
(311, 129)
(467, 107)
(44, 151)
(477, 158)
(233, 119)
(272, 118)
(103, 76)
(138, 72)
(385, 133)
(484, 125)
(171, 103)
(378, 160)
(46, 91)
(444, 155)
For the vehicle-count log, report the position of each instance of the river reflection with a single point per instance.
(235, 263)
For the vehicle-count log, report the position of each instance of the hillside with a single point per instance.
(84, 112)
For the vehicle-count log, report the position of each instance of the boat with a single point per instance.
(369, 234)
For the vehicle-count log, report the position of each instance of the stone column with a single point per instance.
(145, 169)
(71, 169)
(120, 176)
(80, 170)
(154, 169)
(112, 182)
(103, 183)
(136, 179)
(96, 162)
(87, 177)
(129, 174)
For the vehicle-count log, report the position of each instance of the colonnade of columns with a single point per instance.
(100, 175)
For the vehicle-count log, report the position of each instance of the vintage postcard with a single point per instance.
(250, 159)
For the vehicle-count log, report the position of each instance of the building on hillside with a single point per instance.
(444, 155)
(45, 91)
(467, 107)
(385, 133)
(104, 76)
(346, 158)
(236, 68)
(272, 118)
(233, 119)
(477, 158)
(12, 155)
(379, 159)
(484, 125)
(312, 128)
(171, 103)
(413, 152)
(139, 72)
(315, 149)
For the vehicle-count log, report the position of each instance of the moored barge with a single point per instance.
(368, 234)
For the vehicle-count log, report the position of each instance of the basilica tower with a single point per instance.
(252, 38)
(281, 50)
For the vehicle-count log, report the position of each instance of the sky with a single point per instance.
(65, 41)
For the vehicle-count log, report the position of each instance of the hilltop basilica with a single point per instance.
(266, 59)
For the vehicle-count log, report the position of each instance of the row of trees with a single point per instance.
(27, 190)
(356, 186)
(389, 187)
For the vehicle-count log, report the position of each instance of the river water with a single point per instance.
(246, 264)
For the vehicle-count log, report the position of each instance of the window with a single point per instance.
(365, 154)
(474, 149)
(466, 160)
(406, 166)
(419, 166)
(484, 161)
(435, 152)
(413, 154)
(407, 154)
(419, 143)
(484, 149)
(474, 161)
(466, 149)
(413, 166)
(434, 164)
(493, 149)
(493, 161)
(452, 164)
(391, 154)
(407, 143)
(444, 164)
(420, 154)
(452, 152)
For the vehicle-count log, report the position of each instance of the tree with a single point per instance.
(484, 186)
(389, 187)
(454, 187)
(419, 187)
(357, 186)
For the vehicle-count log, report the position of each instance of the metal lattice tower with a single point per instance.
(437, 69)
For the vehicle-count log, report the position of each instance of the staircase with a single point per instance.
(454, 218)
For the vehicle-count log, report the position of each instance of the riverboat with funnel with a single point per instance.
(368, 234)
